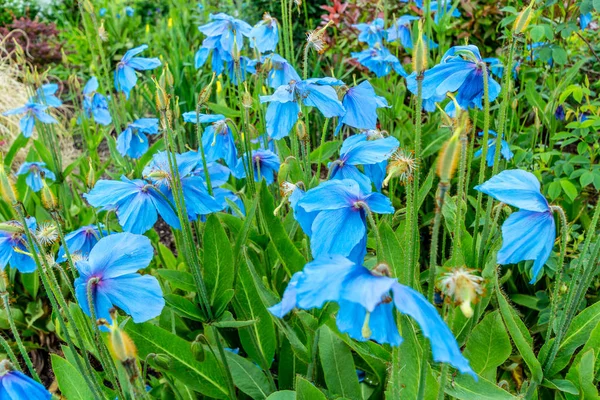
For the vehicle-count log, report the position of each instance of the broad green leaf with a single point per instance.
(166, 255)
(394, 252)
(324, 152)
(338, 365)
(405, 372)
(218, 268)
(306, 391)
(178, 279)
(554, 190)
(184, 307)
(559, 55)
(205, 377)
(289, 255)
(20, 142)
(562, 385)
(569, 188)
(535, 100)
(233, 324)
(282, 395)
(248, 377)
(71, 383)
(537, 32)
(582, 374)
(464, 387)
(488, 345)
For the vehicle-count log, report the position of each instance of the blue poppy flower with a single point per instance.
(265, 142)
(528, 234)
(441, 8)
(455, 74)
(361, 149)
(46, 95)
(125, 76)
(585, 20)
(334, 217)
(282, 112)
(244, 68)
(36, 173)
(129, 11)
(95, 104)
(504, 149)
(197, 200)
(380, 61)
(219, 57)
(111, 274)
(102, 12)
(32, 112)
(222, 195)
(366, 299)
(361, 104)
(371, 33)
(559, 113)
(136, 203)
(401, 31)
(217, 139)
(265, 34)
(279, 70)
(81, 241)
(226, 30)
(15, 385)
(13, 247)
(133, 140)
(265, 164)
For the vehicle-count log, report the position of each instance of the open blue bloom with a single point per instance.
(441, 8)
(225, 30)
(360, 149)
(15, 239)
(219, 57)
(504, 149)
(279, 70)
(334, 217)
(371, 33)
(32, 112)
(528, 234)
(361, 104)
(15, 385)
(380, 61)
(282, 112)
(244, 68)
(585, 20)
(46, 95)
(129, 11)
(133, 140)
(366, 299)
(198, 201)
(401, 31)
(459, 71)
(111, 274)
(495, 66)
(217, 139)
(265, 34)
(95, 104)
(81, 241)
(125, 76)
(265, 164)
(136, 203)
(36, 173)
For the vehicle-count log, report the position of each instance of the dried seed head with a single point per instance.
(102, 34)
(315, 39)
(402, 165)
(47, 234)
(463, 287)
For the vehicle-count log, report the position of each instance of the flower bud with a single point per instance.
(301, 132)
(247, 100)
(161, 361)
(198, 348)
(48, 199)
(523, 19)
(420, 54)
(7, 186)
(3, 281)
(448, 158)
(205, 93)
(121, 346)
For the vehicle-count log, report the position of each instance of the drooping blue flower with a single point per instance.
(231, 73)
(32, 112)
(334, 217)
(585, 20)
(380, 61)
(81, 241)
(217, 139)
(13, 249)
(225, 30)
(442, 7)
(111, 274)
(366, 299)
(265, 164)
(504, 149)
(371, 33)
(528, 234)
(265, 34)
(36, 173)
(361, 104)
(401, 31)
(219, 58)
(15, 385)
(266, 143)
(279, 70)
(459, 71)
(495, 66)
(222, 195)
(46, 95)
(95, 104)
(136, 203)
(197, 200)
(125, 76)
(284, 104)
(361, 149)
(133, 141)
(129, 11)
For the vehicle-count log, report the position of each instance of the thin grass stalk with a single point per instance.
(10, 353)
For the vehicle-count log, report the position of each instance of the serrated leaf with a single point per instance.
(338, 365)
(488, 345)
(218, 266)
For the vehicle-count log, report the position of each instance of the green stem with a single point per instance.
(10, 353)
(443, 188)
(413, 217)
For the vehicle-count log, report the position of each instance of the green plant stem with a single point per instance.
(413, 210)
(10, 353)
(460, 196)
(559, 273)
(443, 188)
(17, 336)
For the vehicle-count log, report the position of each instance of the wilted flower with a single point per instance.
(133, 140)
(36, 173)
(402, 165)
(463, 287)
(125, 77)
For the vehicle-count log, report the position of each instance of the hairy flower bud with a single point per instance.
(198, 348)
(420, 54)
(448, 159)
(523, 19)
(301, 132)
(161, 361)
(7, 186)
(48, 199)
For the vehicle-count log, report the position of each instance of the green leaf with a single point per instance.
(537, 32)
(464, 387)
(582, 374)
(71, 383)
(322, 153)
(218, 259)
(405, 373)
(233, 324)
(488, 345)
(554, 190)
(306, 391)
(19, 143)
(283, 395)
(559, 55)
(569, 188)
(394, 252)
(248, 377)
(184, 307)
(562, 385)
(587, 178)
(535, 100)
(338, 365)
(205, 377)
(178, 279)
(289, 255)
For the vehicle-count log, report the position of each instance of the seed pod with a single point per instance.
(420, 55)
(7, 186)
(523, 19)
(448, 158)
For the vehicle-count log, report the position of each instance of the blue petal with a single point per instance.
(325, 99)
(137, 295)
(517, 188)
(337, 231)
(281, 118)
(288, 301)
(120, 254)
(16, 386)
